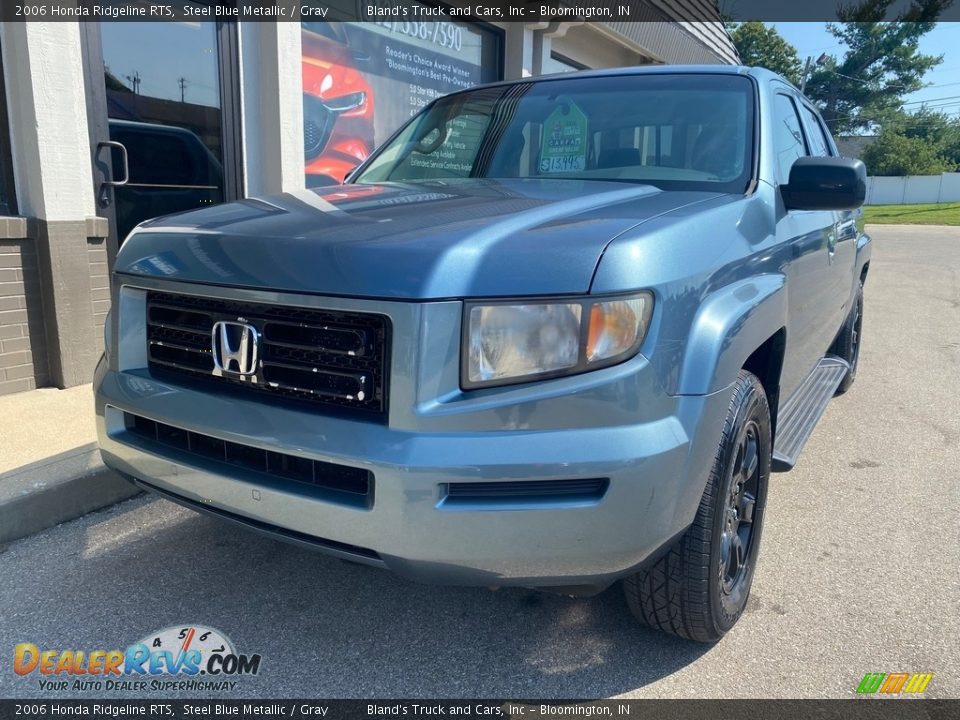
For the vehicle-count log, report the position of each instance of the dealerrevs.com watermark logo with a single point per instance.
(188, 657)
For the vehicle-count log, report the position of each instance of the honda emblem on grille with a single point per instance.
(236, 348)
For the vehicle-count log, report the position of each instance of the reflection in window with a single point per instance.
(7, 206)
(361, 81)
(787, 136)
(164, 73)
(162, 83)
(671, 131)
(819, 146)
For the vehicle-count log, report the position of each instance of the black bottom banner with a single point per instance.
(857, 709)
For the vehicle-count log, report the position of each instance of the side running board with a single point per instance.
(799, 415)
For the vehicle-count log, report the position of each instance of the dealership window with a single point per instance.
(363, 80)
(164, 105)
(7, 206)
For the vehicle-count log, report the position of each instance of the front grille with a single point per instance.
(349, 485)
(318, 123)
(326, 358)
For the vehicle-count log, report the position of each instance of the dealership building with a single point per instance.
(105, 124)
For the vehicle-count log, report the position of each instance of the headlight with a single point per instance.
(345, 103)
(509, 343)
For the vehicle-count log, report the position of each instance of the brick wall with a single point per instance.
(99, 285)
(23, 356)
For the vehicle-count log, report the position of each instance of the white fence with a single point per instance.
(912, 189)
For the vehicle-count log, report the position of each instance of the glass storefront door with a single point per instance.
(7, 205)
(161, 145)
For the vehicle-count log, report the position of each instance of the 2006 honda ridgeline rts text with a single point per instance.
(554, 333)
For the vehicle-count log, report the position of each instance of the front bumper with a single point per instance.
(409, 529)
(614, 424)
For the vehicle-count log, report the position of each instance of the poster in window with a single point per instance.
(362, 81)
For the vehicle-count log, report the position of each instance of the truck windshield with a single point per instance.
(676, 132)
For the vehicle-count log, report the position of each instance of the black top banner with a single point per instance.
(478, 709)
(522, 11)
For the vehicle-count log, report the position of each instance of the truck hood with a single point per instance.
(430, 240)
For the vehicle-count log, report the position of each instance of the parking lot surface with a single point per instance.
(859, 569)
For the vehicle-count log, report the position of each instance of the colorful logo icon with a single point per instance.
(894, 683)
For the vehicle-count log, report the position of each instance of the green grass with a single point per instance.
(942, 214)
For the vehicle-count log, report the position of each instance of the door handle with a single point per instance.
(126, 162)
(847, 229)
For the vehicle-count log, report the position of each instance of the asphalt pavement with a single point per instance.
(859, 569)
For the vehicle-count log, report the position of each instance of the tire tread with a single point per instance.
(673, 594)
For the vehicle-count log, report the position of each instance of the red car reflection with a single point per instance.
(337, 105)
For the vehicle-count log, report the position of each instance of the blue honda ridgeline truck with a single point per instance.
(554, 333)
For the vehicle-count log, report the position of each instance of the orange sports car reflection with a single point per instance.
(337, 104)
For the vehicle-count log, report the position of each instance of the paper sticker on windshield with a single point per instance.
(564, 145)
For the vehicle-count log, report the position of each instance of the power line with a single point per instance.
(897, 124)
(940, 85)
(909, 117)
(904, 119)
(931, 100)
(861, 80)
(900, 87)
(938, 105)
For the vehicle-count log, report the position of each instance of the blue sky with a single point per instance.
(162, 53)
(812, 39)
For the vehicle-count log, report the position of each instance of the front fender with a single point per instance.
(729, 325)
(864, 251)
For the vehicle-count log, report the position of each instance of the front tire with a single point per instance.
(699, 588)
(847, 343)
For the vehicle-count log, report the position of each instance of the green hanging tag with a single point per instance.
(564, 144)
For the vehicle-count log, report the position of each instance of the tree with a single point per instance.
(938, 130)
(882, 63)
(764, 46)
(895, 153)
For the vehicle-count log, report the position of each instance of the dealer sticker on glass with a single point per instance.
(564, 145)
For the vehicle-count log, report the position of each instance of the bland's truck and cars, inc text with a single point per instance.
(555, 333)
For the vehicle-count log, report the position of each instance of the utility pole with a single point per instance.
(135, 80)
(182, 82)
(808, 66)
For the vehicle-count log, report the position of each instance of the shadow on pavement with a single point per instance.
(325, 628)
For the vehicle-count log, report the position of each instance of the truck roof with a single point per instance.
(758, 72)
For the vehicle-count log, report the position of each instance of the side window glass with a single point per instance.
(788, 140)
(819, 145)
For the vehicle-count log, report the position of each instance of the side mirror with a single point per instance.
(826, 183)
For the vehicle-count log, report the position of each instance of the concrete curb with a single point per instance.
(60, 488)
